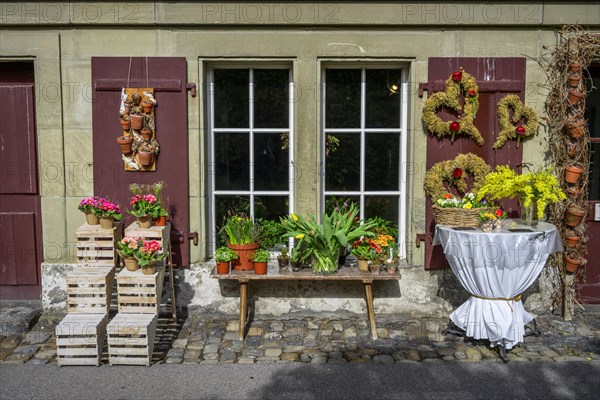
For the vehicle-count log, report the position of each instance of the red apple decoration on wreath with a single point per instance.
(454, 126)
(457, 76)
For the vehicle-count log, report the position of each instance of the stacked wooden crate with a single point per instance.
(80, 335)
(131, 332)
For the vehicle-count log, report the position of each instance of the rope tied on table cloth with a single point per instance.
(516, 298)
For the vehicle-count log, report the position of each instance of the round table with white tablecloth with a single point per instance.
(496, 268)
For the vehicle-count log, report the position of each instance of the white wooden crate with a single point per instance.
(139, 293)
(89, 290)
(79, 339)
(131, 339)
(162, 234)
(96, 247)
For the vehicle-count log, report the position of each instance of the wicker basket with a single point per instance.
(452, 216)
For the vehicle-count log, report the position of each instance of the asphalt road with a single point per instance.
(453, 380)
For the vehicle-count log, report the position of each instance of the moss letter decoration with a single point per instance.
(454, 173)
(507, 129)
(458, 84)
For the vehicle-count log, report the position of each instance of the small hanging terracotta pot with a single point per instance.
(575, 127)
(573, 191)
(571, 264)
(127, 108)
(574, 96)
(572, 151)
(572, 173)
(575, 67)
(125, 124)
(146, 133)
(573, 215)
(145, 157)
(574, 80)
(572, 240)
(137, 121)
(147, 106)
(125, 143)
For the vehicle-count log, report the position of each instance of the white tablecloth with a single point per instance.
(493, 266)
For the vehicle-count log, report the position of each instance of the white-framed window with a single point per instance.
(249, 142)
(364, 142)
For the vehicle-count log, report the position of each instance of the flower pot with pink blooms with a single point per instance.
(149, 255)
(108, 213)
(90, 207)
(127, 248)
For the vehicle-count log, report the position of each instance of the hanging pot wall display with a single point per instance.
(138, 143)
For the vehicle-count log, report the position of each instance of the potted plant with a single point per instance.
(500, 217)
(393, 260)
(571, 238)
(574, 215)
(241, 234)
(146, 154)
(125, 144)
(535, 190)
(270, 233)
(487, 220)
(137, 121)
(283, 259)
(125, 123)
(574, 96)
(296, 259)
(108, 213)
(373, 250)
(223, 257)
(323, 241)
(260, 258)
(148, 255)
(575, 127)
(128, 247)
(147, 106)
(572, 262)
(572, 173)
(144, 206)
(160, 213)
(90, 207)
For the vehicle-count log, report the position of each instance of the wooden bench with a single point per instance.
(343, 274)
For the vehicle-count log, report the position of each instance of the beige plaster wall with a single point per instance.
(61, 38)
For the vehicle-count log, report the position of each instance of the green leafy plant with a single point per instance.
(270, 232)
(383, 227)
(225, 254)
(240, 229)
(324, 240)
(260, 255)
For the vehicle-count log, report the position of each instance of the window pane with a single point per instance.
(382, 154)
(382, 109)
(271, 207)
(270, 162)
(227, 205)
(271, 104)
(342, 99)
(382, 206)
(232, 161)
(231, 98)
(340, 202)
(342, 165)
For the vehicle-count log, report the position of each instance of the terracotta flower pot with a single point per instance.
(91, 219)
(223, 268)
(260, 268)
(573, 191)
(125, 124)
(572, 173)
(145, 221)
(131, 263)
(573, 215)
(574, 80)
(571, 264)
(125, 143)
(243, 263)
(147, 106)
(571, 241)
(146, 133)
(575, 127)
(161, 221)
(575, 67)
(574, 96)
(137, 121)
(145, 157)
(106, 223)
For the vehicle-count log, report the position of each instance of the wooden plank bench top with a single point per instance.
(306, 274)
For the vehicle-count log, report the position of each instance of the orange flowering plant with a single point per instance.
(376, 249)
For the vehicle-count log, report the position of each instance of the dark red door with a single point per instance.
(496, 78)
(589, 291)
(167, 75)
(20, 209)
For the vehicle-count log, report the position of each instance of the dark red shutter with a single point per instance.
(496, 78)
(167, 75)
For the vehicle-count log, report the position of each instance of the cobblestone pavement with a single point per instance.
(211, 339)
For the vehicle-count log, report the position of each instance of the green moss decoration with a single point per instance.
(444, 171)
(520, 111)
(459, 83)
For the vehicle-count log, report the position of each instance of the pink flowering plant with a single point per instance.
(90, 205)
(144, 204)
(149, 253)
(129, 245)
(108, 209)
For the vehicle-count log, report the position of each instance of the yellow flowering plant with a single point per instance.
(540, 187)
(487, 216)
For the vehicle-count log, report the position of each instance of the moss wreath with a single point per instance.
(507, 129)
(459, 83)
(453, 172)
